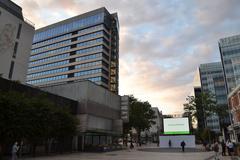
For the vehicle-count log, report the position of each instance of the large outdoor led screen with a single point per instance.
(176, 126)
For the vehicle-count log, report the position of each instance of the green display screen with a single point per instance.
(176, 126)
(177, 132)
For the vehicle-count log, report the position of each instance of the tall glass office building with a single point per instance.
(230, 55)
(212, 81)
(84, 47)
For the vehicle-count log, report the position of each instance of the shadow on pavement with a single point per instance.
(170, 150)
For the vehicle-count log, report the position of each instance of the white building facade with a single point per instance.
(16, 35)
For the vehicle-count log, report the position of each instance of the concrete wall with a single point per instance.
(98, 108)
(176, 141)
(157, 127)
(8, 36)
(86, 90)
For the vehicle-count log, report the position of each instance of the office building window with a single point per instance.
(44, 80)
(64, 28)
(15, 50)
(19, 31)
(87, 72)
(11, 70)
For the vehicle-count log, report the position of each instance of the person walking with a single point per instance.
(223, 148)
(216, 150)
(131, 145)
(183, 146)
(170, 143)
(15, 148)
(230, 147)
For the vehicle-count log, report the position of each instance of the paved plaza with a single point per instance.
(136, 154)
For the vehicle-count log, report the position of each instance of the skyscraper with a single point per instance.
(84, 47)
(16, 35)
(230, 55)
(212, 81)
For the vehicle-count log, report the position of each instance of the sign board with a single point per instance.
(176, 125)
(125, 108)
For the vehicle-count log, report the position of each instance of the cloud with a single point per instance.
(216, 12)
(161, 42)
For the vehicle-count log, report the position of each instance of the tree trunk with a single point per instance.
(34, 149)
(139, 137)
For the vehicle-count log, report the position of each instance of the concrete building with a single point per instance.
(82, 47)
(156, 128)
(99, 112)
(195, 92)
(97, 109)
(200, 122)
(212, 81)
(16, 35)
(230, 56)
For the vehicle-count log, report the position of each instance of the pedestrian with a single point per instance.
(170, 143)
(15, 148)
(131, 145)
(230, 147)
(205, 145)
(216, 150)
(223, 148)
(183, 146)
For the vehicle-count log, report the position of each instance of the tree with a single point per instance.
(200, 107)
(203, 106)
(34, 119)
(140, 116)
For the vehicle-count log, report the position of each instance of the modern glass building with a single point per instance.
(230, 55)
(212, 81)
(84, 47)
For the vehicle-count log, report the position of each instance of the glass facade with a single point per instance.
(85, 65)
(61, 56)
(88, 72)
(230, 55)
(212, 81)
(77, 48)
(34, 51)
(69, 27)
(42, 80)
(49, 53)
(53, 71)
(61, 63)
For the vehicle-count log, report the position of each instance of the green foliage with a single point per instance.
(140, 115)
(202, 106)
(204, 101)
(34, 119)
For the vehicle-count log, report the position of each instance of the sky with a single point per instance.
(162, 42)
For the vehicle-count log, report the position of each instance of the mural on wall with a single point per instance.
(7, 37)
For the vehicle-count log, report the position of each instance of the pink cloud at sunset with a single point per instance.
(161, 42)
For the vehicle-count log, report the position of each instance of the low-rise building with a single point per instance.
(98, 111)
(156, 128)
(234, 106)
